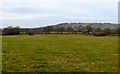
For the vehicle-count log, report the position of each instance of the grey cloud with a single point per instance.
(26, 10)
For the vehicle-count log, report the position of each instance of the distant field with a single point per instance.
(59, 53)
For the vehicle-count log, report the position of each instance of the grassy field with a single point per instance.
(59, 53)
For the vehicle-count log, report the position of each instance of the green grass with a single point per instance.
(59, 53)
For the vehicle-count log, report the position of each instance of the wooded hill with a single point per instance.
(86, 28)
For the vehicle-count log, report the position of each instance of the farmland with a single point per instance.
(59, 53)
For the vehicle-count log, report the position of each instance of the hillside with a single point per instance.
(93, 25)
(69, 27)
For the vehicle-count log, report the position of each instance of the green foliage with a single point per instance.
(59, 53)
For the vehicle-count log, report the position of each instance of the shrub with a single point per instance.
(30, 33)
(100, 34)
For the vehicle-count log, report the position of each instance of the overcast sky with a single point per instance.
(36, 13)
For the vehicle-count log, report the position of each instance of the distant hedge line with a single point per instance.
(70, 30)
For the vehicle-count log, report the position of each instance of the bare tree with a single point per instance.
(98, 30)
(107, 30)
(70, 29)
(88, 29)
(60, 29)
(47, 29)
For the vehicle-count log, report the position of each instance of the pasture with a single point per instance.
(59, 53)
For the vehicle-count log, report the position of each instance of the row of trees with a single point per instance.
(59, 30)
(11, 30)
(81, 29)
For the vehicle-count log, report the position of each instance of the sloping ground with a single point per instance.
(94, 25)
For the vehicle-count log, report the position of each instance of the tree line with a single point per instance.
(10, 30)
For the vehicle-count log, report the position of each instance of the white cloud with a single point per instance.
(7, 16)
(98, 1)
(65, 9)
